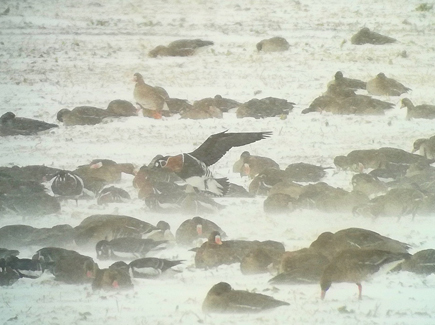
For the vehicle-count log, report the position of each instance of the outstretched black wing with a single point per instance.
(217, 145)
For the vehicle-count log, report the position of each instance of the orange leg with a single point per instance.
(359, 291)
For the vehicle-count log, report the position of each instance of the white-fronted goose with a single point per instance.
(383, 86)
(355, 265)
(221, 298)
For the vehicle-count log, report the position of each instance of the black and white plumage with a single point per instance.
(25, 267)
(112, 194)
(67, 185)
(193, 166)
(150, 267)
(127, 247)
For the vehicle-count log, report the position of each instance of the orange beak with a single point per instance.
(157, 115)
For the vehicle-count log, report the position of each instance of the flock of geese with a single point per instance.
(399, 184)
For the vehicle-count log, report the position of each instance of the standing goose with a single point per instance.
(383, 86)
(355, 265)
(221, 298)
(193, 166)
(150, 99)
(419, 111)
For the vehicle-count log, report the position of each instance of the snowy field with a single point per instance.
(63, 54)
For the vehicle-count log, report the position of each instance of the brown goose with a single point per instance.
(330, 244)
(422, 262)
(162, 50)
(358, 160)
(366, 36)
(12, 125)
(119, 107)
(278, 203)
(112, 279)
(425, 147)
(82, 115)
(202, 109)
(196, 228)
(67, 265)
(383, 86)
(149, 99)
(263, 182)
(36, 173)
(368, 184)
(322, 103)
(343, 82)
(266, 107)
(214, 252)
(183, 47)
(302, 266)
(249, 165)
(419, 111)
(397, 202)
(23, 236)
(259, 261)
(355, 265)
(75, 270)
(108, 226)
(101, 172)
(221, 298)
(303, 172)
(274, 44)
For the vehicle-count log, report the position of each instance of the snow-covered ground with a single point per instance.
(63, 54)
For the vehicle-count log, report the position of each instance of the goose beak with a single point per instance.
(322, 294)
